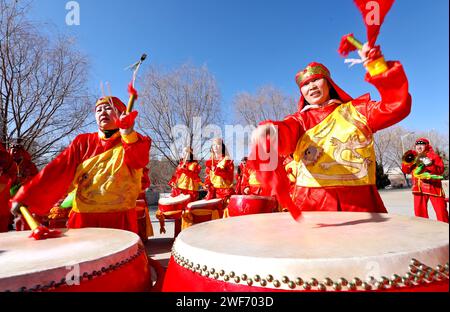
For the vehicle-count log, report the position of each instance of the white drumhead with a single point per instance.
(174, 200)
(204, 203)
(323, 244)
(26, 263)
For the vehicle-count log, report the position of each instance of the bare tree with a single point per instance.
(178, 102)
(43, 93)
(267, 103)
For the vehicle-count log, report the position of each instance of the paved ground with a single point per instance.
(158, 247)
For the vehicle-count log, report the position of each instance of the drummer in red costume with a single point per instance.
(427, 185)
(331, 135)
(104, 168)
(219, 173)
(249, 182)
(186, 179)
(8, 173)
(239, 176)
(26, 169)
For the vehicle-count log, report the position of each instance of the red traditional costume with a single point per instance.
(249, 183)
(186, 179)
(8, 173)
(219, 178)
(424, 187)
(333, 143)
(105, 173)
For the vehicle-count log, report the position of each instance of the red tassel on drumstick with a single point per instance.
(373, 13)
(38, 231)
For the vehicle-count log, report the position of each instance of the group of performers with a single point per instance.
(16, 169)
(220, 180)
(326, 150)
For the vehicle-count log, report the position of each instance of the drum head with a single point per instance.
(204, 203)
(323, 245)
(26, 263)
(174, 200)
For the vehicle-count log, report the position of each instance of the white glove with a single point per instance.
(426, 161)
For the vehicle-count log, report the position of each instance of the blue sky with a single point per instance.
(250, 43)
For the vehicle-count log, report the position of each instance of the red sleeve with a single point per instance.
(137, 154)
(207, 171)
(395, 102)
(228, 172)
(145, 182)
(289, 132)
(53, 182)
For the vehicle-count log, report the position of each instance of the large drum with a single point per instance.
(203, 210)
(326, 251)
(82, 260)
(250, 204)
(172, 207)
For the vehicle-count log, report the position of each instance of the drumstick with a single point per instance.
(38, 231)
(132, 92)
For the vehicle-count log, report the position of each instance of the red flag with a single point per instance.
(374, 12)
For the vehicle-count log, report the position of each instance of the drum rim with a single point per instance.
(211, 201)
(34, 278)
(182, 199)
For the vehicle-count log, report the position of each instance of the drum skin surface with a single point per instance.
(241, 205)
(89, 259)
(325, 251)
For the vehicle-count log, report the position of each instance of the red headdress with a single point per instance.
(426, 142)
(314, 71)
(114, 101)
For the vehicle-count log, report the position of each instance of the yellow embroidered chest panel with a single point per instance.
(339, 151)
(104, 183)
(185, 182)
(216, 180)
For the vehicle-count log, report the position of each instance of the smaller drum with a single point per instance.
(172, 207)
(204, 210)
(82, 260)
(251, 204)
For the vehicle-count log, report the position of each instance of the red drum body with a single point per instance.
(82, 260)
(241, 205)
(325, 251)
(172, 207)
(204, 210)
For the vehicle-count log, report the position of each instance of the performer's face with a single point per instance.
(217, 149)
(420, 148)
(106, 115)
(16, 153)
(316, 91)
